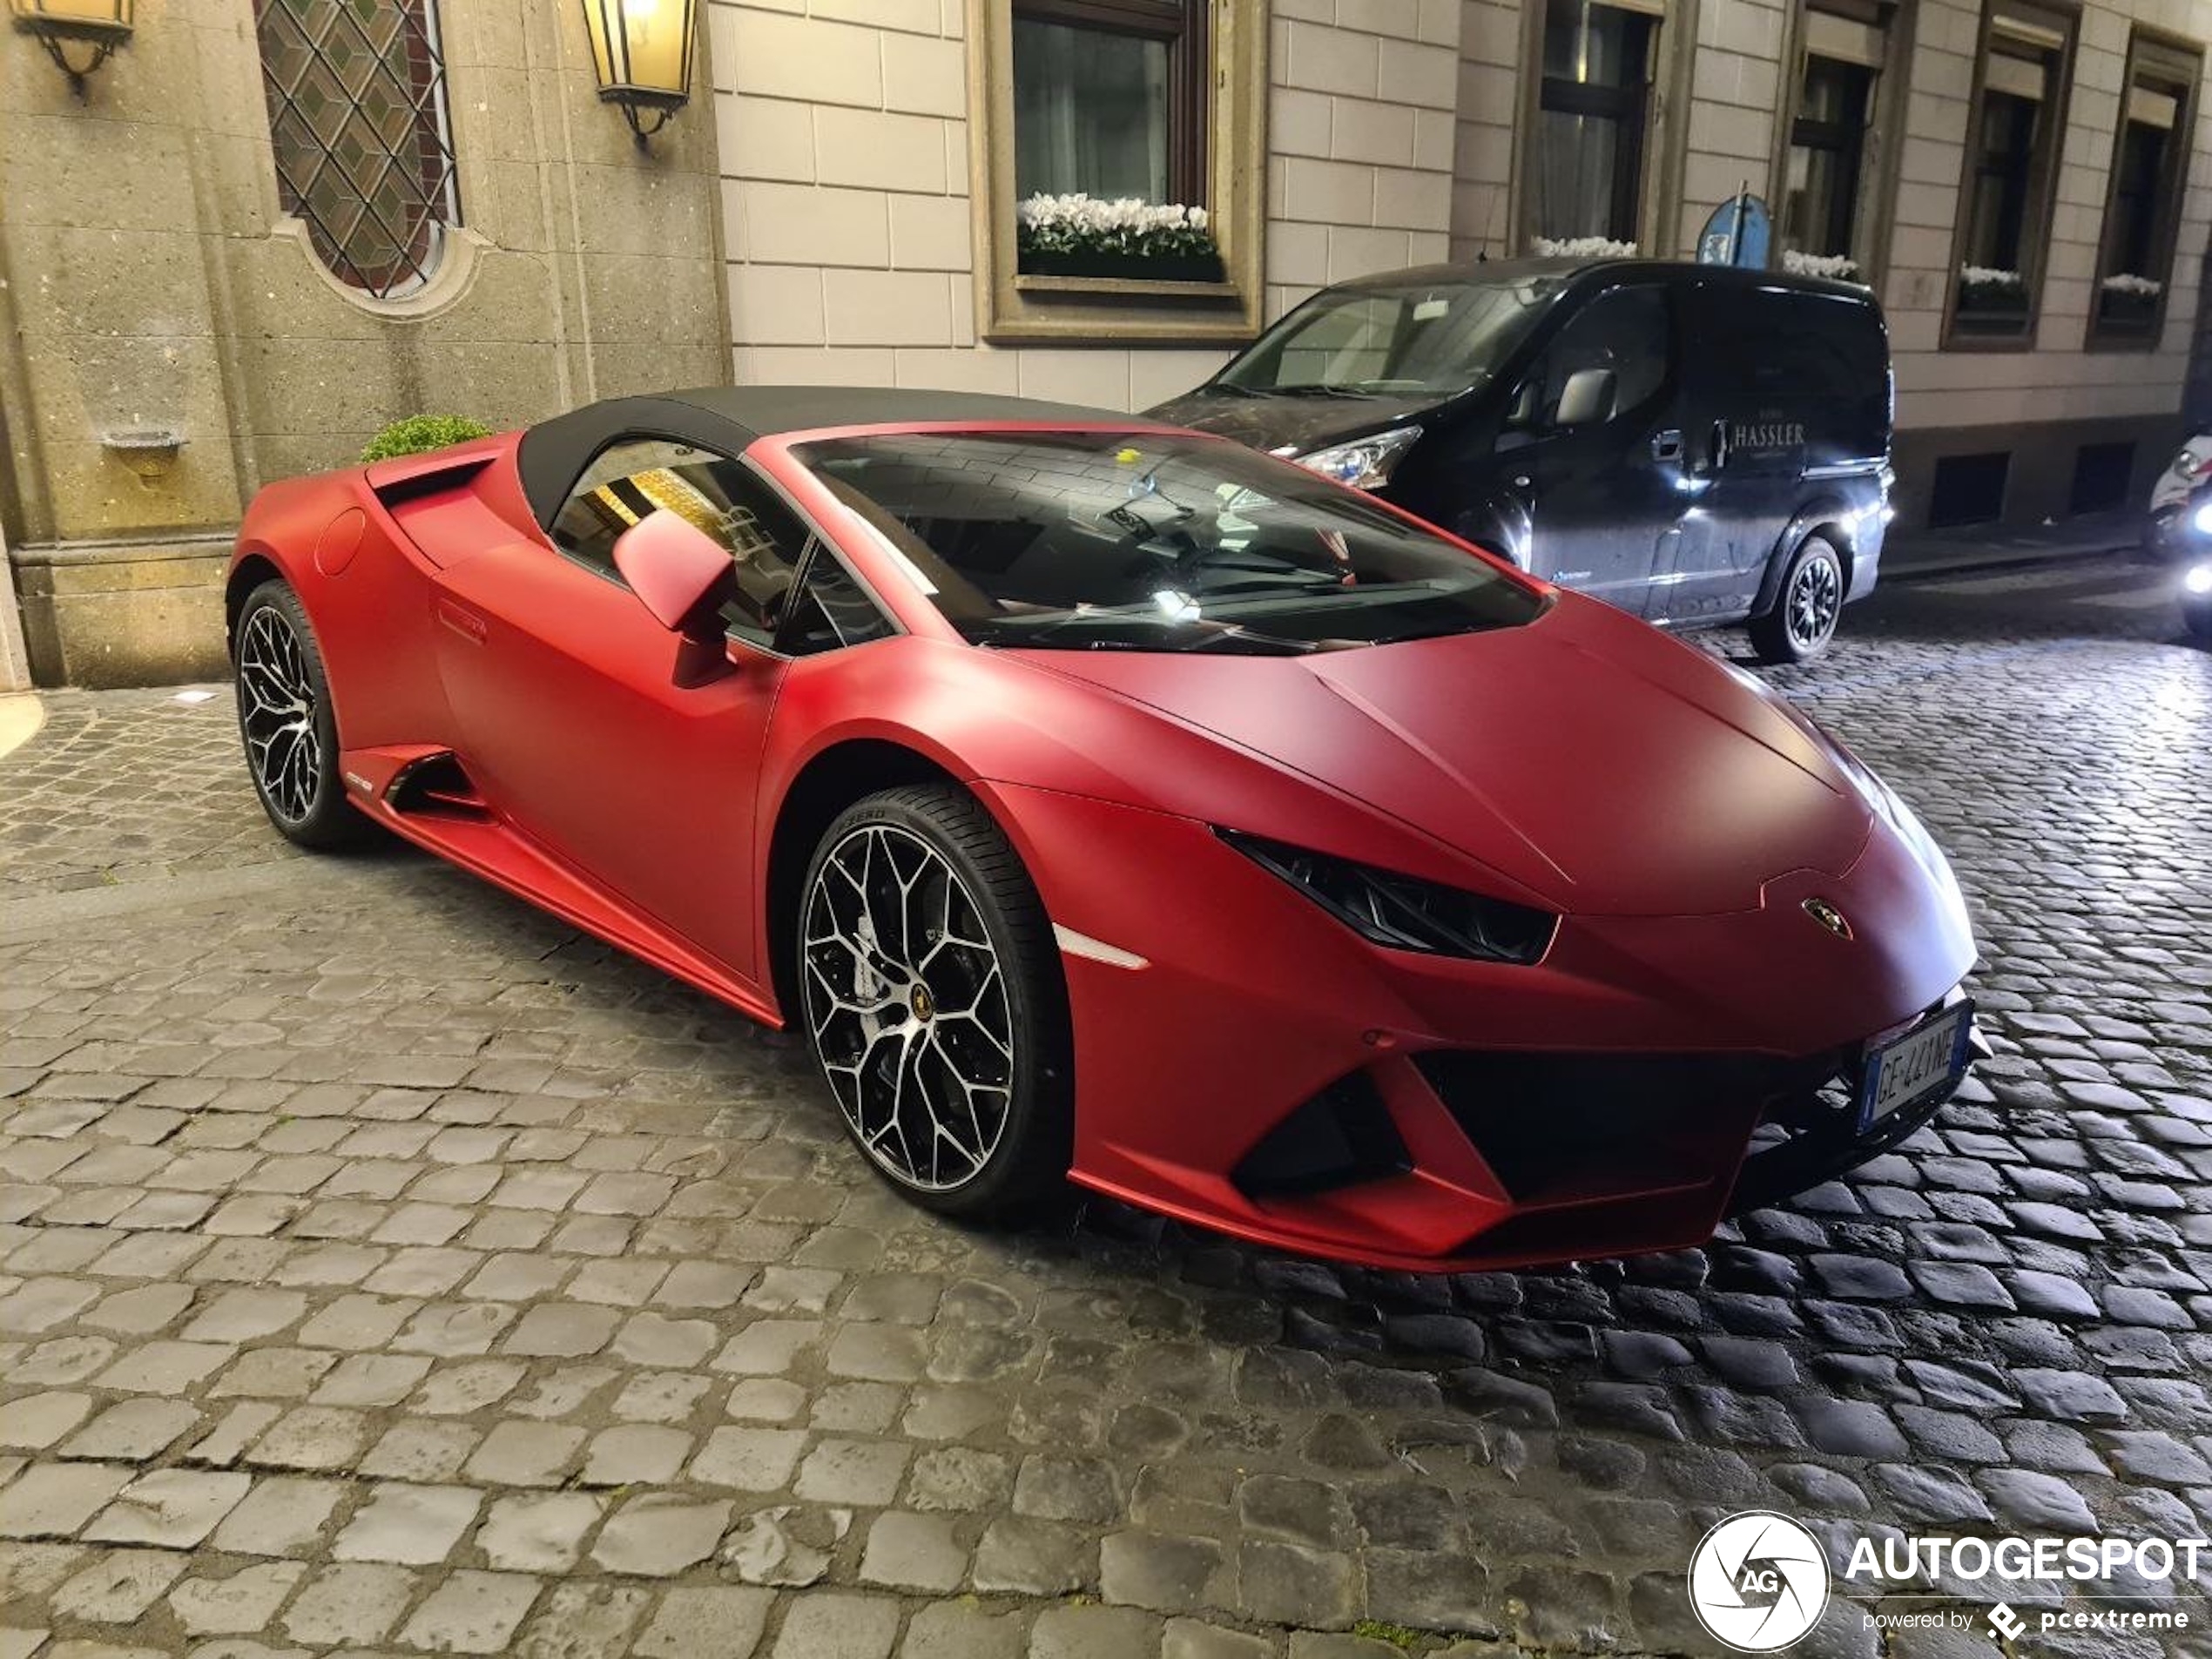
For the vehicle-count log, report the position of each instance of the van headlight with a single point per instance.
(1365, 464)
(2200, 520)
(2198, 579)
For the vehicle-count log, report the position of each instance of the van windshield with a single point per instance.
(1371, 341)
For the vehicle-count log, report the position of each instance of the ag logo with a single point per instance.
(1758, 1582)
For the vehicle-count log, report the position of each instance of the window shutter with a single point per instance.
(1845, 39)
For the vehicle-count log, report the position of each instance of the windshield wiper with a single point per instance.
(1317, 390)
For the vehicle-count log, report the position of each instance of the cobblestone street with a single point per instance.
(386, 1267)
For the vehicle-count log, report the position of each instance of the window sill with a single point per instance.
(454, 275)
(1126, 287)
(2139, 334)
(1968, 335)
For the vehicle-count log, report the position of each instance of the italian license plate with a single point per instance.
(1907, 1068)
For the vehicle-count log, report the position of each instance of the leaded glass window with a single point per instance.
(357, 91)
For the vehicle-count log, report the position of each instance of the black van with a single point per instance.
(1697, 444)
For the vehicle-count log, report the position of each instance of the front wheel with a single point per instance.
(931, 989)
(1805, 611)
(2196, 616)
(285, 721)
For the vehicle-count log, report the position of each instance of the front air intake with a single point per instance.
(1341, 1136)
(1579, 1128)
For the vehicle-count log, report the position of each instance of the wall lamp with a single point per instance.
(96, 26)
(642, 49)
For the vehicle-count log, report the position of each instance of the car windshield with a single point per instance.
(1160, 542)
(1417, 337)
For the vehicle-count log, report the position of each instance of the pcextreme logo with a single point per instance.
(1758, 1582)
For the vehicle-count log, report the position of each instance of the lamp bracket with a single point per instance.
(55, 33)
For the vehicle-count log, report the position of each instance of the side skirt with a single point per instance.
(468, 833)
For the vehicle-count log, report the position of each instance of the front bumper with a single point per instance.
(1264, 1072)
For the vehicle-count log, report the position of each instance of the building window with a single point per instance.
(1824, 227)
(1969, 489)
(2142, 207)
(357, 91)
(1110, 100)
(1592, 108)
(1162, 101)
(2012, 153)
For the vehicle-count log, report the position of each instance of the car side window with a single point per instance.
(1625, 330)
(626, 481)
(830, 609)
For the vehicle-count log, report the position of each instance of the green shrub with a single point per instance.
(418, 434)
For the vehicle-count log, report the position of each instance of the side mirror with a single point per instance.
(1586, 396)
(682, 575)
(678, 572)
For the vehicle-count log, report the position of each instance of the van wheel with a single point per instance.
(1807, 608)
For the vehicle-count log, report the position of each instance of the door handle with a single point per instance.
(463, 621)
(1667, 445)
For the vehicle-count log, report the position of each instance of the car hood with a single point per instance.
(1598, 764)
(1296, 424)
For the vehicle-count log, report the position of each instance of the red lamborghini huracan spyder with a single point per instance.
(1109, 801)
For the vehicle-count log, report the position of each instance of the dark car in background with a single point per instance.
(1697, 444)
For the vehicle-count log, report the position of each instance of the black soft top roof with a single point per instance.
(553, 453)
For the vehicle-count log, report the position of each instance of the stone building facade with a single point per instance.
(1400, 131)
(154, 286)
(2026, 184)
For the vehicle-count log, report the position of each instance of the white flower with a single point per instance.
(1839, 267)
(2142, 288)
(1124, 225)
(1583, 248)
(1984, 276)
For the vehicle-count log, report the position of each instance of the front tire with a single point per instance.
(1806, 609)
(2196, 616)
(930, 985)
(286, 723)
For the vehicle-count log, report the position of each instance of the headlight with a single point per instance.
(2200, 520)
(2199, 579)
(1404, 912)
(1365, 464)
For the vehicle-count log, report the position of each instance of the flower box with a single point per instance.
(1120, 241)
(2128, 303)
(1142, 267)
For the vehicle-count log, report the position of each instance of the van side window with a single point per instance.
(1624, 330)
(1789, 351)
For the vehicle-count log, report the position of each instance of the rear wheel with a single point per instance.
(1807, 608)
(285, 719)
(932, 995)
